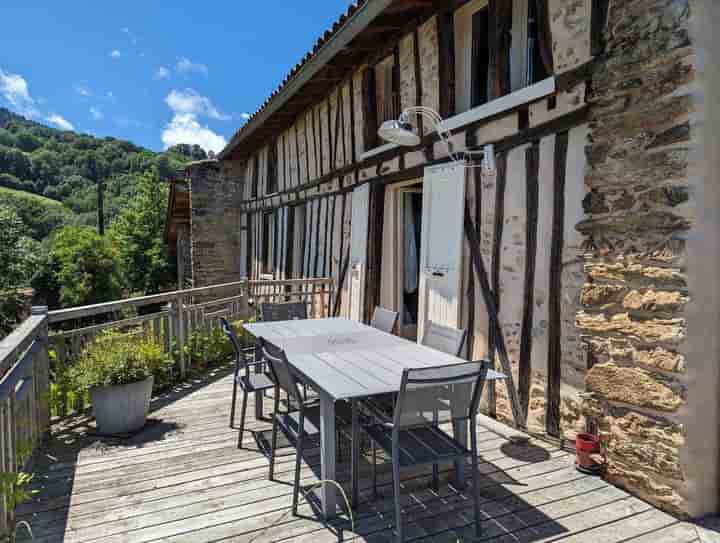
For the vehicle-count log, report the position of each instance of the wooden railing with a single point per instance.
(24, 387)
(172, 317)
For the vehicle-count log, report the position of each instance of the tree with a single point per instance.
(82, 267)
(18, 260)
(137, 233)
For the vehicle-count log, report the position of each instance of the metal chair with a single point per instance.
(301, 421)
(286, 311)
(442, 338)
(384, 319)
(248, 382)
(429, 397)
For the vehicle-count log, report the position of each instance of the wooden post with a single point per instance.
(180, 329)
(42, 374)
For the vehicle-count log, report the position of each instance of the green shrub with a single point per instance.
(120, 359)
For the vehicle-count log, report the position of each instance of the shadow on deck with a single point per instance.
(183, 479)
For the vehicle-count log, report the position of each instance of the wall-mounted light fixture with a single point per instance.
(402, 132)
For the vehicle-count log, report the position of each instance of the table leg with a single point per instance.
(258, 395)
(327, 454)
(355, 456)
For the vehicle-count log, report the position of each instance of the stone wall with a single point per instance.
(633, 316)
(214, 223)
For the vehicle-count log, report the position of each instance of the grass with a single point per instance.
(14, 193)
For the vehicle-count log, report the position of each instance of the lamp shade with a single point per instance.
(399, 132)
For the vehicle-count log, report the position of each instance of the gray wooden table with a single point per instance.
(346, 360)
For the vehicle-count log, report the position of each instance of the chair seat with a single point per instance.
(424, 445)
(255, 382)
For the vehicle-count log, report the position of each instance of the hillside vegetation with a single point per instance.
(66, 166)
(49, 236)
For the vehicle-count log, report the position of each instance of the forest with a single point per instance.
(81, 217)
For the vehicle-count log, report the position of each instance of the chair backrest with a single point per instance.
(384, 319)
(281, 370)
(283, 311)
(439, 394)
(232, 336)
(443, 338)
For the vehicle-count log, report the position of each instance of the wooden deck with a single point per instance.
(183, 479)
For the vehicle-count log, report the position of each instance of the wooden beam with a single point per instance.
(489, 297)
(554, 363)
(532, 167)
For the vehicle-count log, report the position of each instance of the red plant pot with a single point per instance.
(585, 445)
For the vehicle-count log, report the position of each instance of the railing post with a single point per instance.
(179, 315)
(42, 374)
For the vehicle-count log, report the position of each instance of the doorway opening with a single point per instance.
(402, 235)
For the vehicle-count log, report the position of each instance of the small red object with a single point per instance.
(586, 445)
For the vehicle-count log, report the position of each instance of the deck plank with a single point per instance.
(183, 479)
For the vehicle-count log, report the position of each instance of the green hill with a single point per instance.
(39, 213)
(65, 166)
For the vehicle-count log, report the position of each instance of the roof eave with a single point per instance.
(354, 25)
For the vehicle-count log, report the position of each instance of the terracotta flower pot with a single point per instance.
(585, 446)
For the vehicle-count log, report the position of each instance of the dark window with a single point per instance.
(272, 169)
(265, 254)
(480, 58)
(537, 69)
(255, 176)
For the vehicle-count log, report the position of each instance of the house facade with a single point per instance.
(591, 234)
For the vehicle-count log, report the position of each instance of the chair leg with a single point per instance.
(396, 496)
(234, 400)
(435, 478)
(298, 459)
(243, 411)
(273, 446)
(475, 481)
(374, 468)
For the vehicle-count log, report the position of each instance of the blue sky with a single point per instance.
(153, 72)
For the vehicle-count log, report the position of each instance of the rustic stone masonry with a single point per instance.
(214, 223)
(633, 316)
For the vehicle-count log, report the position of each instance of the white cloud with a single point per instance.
(185, 128)
(96, 114)
(162, 73)
(185, 66)
(82, 90)
(189, 101)
(60, 122)
(115, 53)
(245, 115)
(14, 89)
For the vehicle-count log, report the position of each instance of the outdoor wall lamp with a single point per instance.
(402, 132)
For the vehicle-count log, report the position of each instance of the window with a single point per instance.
(387, 89)
(267, 229)
(381, 97)
(539, 59)
(255, 176)
(480, 78)
(272, 169)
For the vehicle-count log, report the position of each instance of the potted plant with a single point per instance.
(118, 371)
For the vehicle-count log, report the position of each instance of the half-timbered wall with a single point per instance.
(529, 215)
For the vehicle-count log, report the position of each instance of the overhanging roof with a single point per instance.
(321, 68)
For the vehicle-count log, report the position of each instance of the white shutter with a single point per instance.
(441, 246)
(358, 250)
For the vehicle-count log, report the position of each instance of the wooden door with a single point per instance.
(358, 250)
(441, 246)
